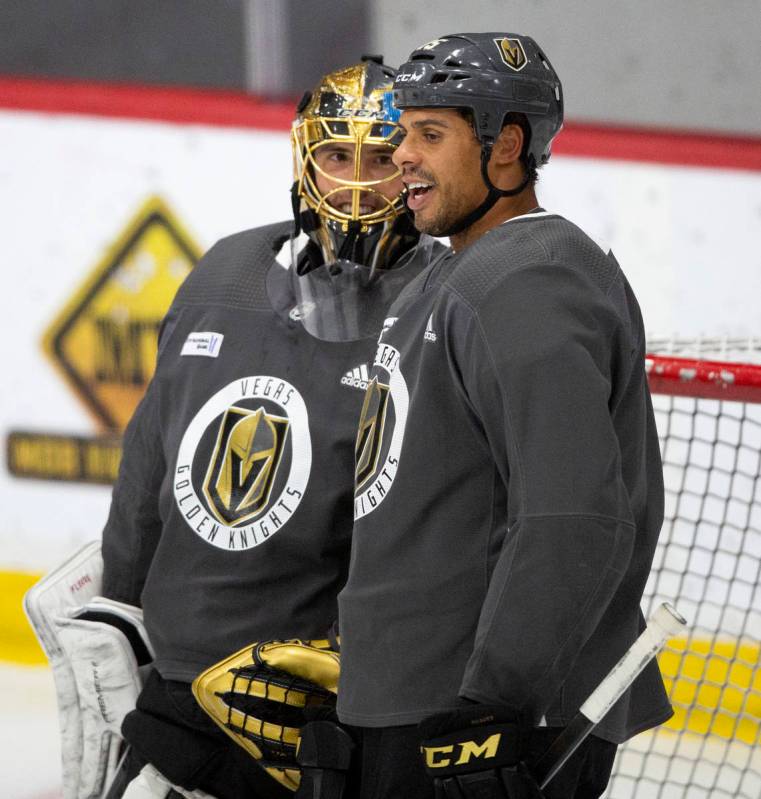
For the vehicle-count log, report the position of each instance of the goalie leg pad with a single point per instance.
(107, 682)
(74, 583)
(94, 646)
(70, 585)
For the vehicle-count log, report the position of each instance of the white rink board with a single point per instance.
(71, 187)
(688, 238)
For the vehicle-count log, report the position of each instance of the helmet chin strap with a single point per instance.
(491, 198)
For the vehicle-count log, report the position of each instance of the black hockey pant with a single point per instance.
(169, 730)
(388, 765)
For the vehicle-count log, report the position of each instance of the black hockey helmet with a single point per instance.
(492, 75)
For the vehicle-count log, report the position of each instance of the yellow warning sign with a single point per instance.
(104, 340)
(104, 343)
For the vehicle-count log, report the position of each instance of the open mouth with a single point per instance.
(418, 194)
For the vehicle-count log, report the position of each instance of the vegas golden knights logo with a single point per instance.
(370, 433)
(244, 463)
(512, 53)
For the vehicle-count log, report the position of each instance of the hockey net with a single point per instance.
(707, 398)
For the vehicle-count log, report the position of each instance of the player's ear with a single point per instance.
(508, 146)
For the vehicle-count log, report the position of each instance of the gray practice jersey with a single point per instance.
(231, 517)
(509, 489)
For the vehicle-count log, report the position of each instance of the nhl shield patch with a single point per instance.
(512, 53)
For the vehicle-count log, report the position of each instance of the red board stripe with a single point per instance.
(660, 146)
(687, 377)
(237, 109)
(157, 103)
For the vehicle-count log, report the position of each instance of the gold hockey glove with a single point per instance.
(262, 696)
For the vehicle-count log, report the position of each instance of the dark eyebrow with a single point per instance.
(422, 123)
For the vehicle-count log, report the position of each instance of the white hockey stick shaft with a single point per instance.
(664, 623)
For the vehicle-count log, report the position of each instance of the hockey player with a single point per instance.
(231, 517)
(508, 488)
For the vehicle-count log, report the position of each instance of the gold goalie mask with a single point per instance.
(352, 233)
(347, 191)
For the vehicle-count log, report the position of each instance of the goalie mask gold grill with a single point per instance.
(343, 139)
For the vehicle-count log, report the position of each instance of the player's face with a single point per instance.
(440, 160)
(337, 159)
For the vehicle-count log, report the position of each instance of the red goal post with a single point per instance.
(707, 402)
(706, 379)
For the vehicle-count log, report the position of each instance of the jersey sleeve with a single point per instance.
(538, 362)
(133, 527)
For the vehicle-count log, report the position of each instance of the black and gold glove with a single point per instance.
(474, 752)
(264, 694)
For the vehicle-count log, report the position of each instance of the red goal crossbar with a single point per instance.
(689, 377)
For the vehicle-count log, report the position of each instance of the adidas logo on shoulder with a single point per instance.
(358, 377)
(430, 334)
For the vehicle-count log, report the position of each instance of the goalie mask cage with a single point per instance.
(707, 399)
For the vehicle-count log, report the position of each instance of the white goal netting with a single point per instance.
(707, 397)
